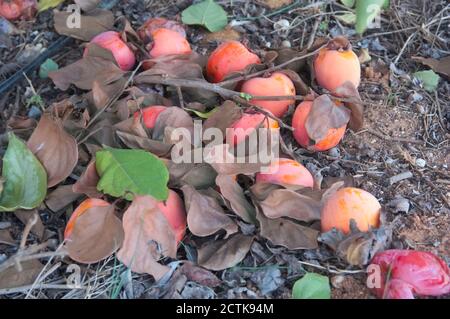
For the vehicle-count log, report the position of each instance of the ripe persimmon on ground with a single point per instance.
(360, 181)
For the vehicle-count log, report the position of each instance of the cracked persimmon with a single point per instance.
(278, 84)
(350, 203)
(332, 138)
(229, 57)
(336, 64)
(112, 41)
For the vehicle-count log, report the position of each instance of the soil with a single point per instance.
(406, 128)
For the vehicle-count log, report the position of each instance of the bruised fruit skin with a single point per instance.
(246, 125)
(333, 137)
(153, 24)
(276, 85)
(229, 57)
(173, 209)
(286, 171)
(150, 115)
(350, 203)
(112, 41)
(81, 209)
(14, 9)
(405, 273)
(337, 64)
(168, 42)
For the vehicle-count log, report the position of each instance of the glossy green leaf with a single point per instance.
(348, 18)
(207, 13)
(125, 173)
(429, 79)
(366, 12)
(25, 179)
(348, 3)
(48, 4)
(203, 115)
(312, 286)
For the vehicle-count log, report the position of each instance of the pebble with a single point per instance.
(286, 44)
(337, 281)
(420, 162)
(399, 205)
(334, 152)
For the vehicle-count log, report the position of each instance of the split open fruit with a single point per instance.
(14, 9)
(112, 41)
(229, 57)
(405, 273)
(150, 115)
(336, 64)
(248, 124)
(278, 84)
(285, 171)
(332, 138)
(350, 203)
(81, 209)
(173, 209)
(167, 42)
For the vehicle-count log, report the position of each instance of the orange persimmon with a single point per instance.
(336, 64)
(14, 9)
(173, 209)
(350, 203)
(246, 125)
(167, 42)
(333, 137)
(112, 41)
(278, 84)
(229, 57)
(150, 114)
(285, 171)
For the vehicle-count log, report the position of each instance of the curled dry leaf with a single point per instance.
(441, 66)
(158, 148)
(287, 54)
(96, 234)
(286, 233)
(172, 117)
(84, 72)
(61, 197)
(325, 115)
(234, 194)
(102, 93)
(200, 175)
(227, 114)
(349, 91)
(226, 253)
(357, 248)
(25, 215)
(11, 277)
(204, 214)
(300, 85)
(148, 238)
(87, 183)
(55, 149)
(93, 23)
(287, 203)
(199, 275)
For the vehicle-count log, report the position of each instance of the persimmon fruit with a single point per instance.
(285, 171)
(333, 137)
(246, 125)
(14, 9)
(229, 57)
(153, 24)
(173, 209)
(336, 64)
(112, 41)
(80, 210)
(350, 203)
(168, 42)
(278, 84)
(150, 115)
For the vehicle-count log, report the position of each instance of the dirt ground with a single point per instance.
(407, 129)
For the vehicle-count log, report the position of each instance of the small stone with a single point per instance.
(286, 44)
(420, 162)
(337, 281)
(334, 152)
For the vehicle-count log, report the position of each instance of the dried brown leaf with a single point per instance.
(204, 214)
(227, 34)
(275, 4)
(87, 5)
(172, 117)
(158, 148)
(102, 93)
(97, 233)
(224, 117)
(225, 163)
(56, 150)
(87, 183)
(25, 215)
(92, 24)
(200, 175)
(356, 106)
(223, 254)
(324, 116)
(441, 66)
(234, 194)
(148, 238)
(6, 238)
(199, 275)
(61, 197)
(11, 277)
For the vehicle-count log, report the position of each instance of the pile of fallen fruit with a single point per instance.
(135, 87)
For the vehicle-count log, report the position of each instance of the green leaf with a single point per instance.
(25, 179)
(348, 18)
(203, 115)
(47, 4)
(348, 3)
(207, 13)
(366, 11)
(312, 286)
(125, 173)
(429, 79)
(48, 66)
